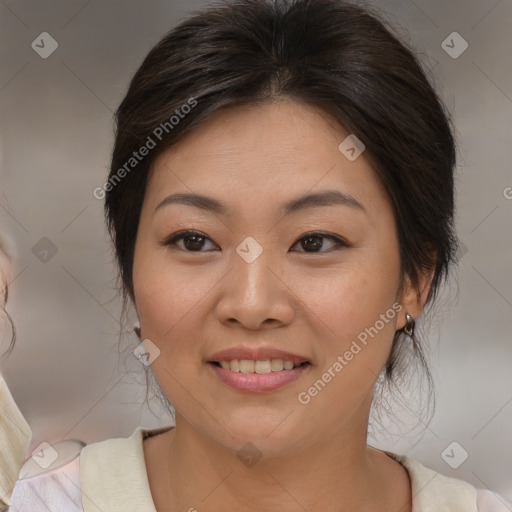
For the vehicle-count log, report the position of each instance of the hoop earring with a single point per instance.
(409, 325)
(137, 330)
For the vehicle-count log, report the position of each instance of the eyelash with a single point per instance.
(180, 235)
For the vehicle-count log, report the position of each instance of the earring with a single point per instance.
(136, 330)
(409, 325)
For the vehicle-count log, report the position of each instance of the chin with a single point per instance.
(269, 435)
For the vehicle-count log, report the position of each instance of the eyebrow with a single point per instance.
(327, 198)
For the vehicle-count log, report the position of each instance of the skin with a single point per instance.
(191, 304)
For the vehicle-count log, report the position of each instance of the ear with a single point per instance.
(413, 298)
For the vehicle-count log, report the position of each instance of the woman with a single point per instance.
(15, 433)
(281, 205)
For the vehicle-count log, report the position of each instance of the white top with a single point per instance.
(15, 435)
(110, 476)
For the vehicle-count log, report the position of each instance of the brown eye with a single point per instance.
(193, 241)
(314, 242)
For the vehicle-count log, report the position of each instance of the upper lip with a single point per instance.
(255, 354)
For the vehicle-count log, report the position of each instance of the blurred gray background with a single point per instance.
(56, 132)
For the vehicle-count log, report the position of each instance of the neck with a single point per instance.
(339, 472)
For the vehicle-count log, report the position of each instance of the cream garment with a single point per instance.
(111, 477)
(15, 436)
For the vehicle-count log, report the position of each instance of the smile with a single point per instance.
(260, 376)
(259, 367)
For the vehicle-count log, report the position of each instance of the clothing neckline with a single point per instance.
(113, 477)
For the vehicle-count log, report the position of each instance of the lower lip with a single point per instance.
(258, 382)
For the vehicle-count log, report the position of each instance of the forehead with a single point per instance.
(278, 150)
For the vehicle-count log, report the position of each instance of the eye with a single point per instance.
(193, 241)
(314, 241)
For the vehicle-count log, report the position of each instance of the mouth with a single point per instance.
(257, 371)
(259, 367)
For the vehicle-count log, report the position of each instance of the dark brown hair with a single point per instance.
(331, 54)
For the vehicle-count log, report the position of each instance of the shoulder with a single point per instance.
(487, 501)
(108, 475)
(52, 491)
(434, 492)
(114, 473)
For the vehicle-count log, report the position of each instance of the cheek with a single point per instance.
(167, 303)
(165, 297)
(350, 297)
(357, 307)
(352, 305)
(171, 303)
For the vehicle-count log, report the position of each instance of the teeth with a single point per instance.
(263, 366)
(276, 365)
(259, 367)
(246, 366)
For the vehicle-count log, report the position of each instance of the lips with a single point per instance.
(253, 370)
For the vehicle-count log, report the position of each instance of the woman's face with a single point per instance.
(262, 284)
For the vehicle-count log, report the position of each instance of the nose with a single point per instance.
(255, 294)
